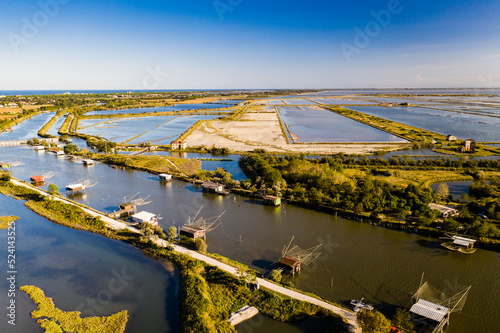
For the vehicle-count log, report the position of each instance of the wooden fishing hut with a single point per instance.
(165, 177)
(290, 264)
(272, 200)
(192, 232)
(126, 209)
(212, 187)
(75, 188)
(37, 179)
(145, 217)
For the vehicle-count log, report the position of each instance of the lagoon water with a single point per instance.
(326, 126)
(75, 268)
(27, 129)
(463, 126)
(157, 129)
(358, 259)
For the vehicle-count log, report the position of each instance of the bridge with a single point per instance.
(23, 142)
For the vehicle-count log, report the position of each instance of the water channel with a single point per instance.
(358, 259)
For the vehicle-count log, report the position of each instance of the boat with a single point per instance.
(360, 306)
(459, 244)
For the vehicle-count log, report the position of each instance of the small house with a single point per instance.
(212, 187)
(145, 217)
(39, 148)
(192, 232)
(470, 146)
(451, 138)
(165, 176)
(59, 153)
(88, 162)
(127, 206)
(272, 200)
(444, 210)
(75, 188)
(37, 179)
(290, 264)
(179, 145)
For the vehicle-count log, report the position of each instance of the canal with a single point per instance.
(358, 260)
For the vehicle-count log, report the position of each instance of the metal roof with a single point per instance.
(144, 216)
(463, 241)
(75, 186)
(429, 310)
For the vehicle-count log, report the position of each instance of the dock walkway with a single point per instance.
(117, 225)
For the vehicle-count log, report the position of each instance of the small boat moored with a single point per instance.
(360, 306)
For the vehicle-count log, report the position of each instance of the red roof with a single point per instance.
(37, 179)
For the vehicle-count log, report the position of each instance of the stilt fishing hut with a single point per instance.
(293, 257)
(433, 306)
(198, 227)
(165, 177)
(37, 179)
(272, 200)
(74, 188)
(212, 187)
(459, 243)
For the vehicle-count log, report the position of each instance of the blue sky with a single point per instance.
(68, 44)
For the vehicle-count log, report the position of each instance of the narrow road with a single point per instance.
(117, 225)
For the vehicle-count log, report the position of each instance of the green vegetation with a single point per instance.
(55, 320)
(43, 131)
(373, 322)
(155, 164)
(402, 320)
(388, 191)
(54, 210)
(209, 295)
(5, 221)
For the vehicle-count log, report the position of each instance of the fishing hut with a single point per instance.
(37, 179)
(88, 162)
(74, 188)
(198, 227)
(293, 257)
(459, 244)
(211, 187)
(38, 148)
(272, 200)
(126, 209)
(165, 177)
(434, 307)
(192, 232)
(145, 217)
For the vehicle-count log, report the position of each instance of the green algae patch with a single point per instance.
(53, 320)
(5, 221)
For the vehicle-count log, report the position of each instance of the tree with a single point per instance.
(443, 190)
(373, 322)
(402, 320)
(276, 275)
(53, 189)
(200, 245)
(172, 232)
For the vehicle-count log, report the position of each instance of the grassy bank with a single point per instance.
(43, 131)
(154, 164)
(5, 221)
(54, 320)
(207, 297)
(409, 133)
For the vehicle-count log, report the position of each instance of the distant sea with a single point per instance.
(323, 93)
